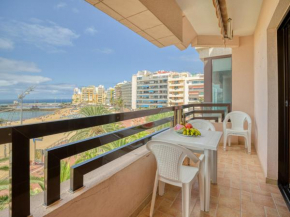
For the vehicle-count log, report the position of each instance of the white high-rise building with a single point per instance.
(185, 88)
(162, 88)
(151, 89)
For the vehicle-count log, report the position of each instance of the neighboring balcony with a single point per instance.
(176, 85)
(176, 90)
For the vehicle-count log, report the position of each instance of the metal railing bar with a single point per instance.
(208, 104)
(204, 111)
(62, 126)
(19, 176)
(78, 171)
(205, 118)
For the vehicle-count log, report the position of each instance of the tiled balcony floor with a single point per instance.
(241, 191)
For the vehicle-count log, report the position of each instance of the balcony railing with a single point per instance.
(207, 111)
(19, 137)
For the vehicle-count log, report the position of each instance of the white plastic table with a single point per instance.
(208, 143)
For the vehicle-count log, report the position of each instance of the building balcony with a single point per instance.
(175, 100)
(176, 85)
(176, 90)
(175, 95)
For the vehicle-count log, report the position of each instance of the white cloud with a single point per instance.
(35, 20)
(4, 83)
(47, 36)
(75, 10)
(13, 79)
(61, 88)
(10, 66)
(60, 5)
(91, 30)
(105, 51)
(6, 44)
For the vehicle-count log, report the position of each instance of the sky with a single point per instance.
(59, 45)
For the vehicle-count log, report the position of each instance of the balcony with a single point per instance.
(98, 168)
(175, 95)
(176, 90)
(105, 184)
(176, 85)
(175, 100)
(119, 182)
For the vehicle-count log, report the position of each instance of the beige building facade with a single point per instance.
(184, 88)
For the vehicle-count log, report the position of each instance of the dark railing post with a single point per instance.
(19, 175)
(177, 115)
(51, 178)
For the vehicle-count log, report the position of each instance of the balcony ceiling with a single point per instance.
(201, 14)
(181, 22)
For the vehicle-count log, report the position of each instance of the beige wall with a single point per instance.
(243, 78)
(119, 195)
(260, 77)
(265, 84)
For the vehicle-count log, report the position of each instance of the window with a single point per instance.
(222, 80)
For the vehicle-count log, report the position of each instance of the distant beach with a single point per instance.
(32, 108)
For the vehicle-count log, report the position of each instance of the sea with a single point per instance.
(15, 115)
(11, 101)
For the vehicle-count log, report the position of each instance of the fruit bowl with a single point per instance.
(186, 130)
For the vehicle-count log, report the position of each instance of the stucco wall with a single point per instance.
(265, 83)
(115, 189)
(243, 78)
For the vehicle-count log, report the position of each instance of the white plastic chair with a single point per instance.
(202, 124)
(238, 119)
(170, 170)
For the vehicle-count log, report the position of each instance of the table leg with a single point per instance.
(207, 174)
(214, 166)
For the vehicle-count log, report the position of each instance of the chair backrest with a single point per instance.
(202, 124)
(238, 119)
(169, 158)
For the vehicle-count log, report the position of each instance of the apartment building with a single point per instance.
(89, 94)
(184, 88)
(76, 97)
(123, 91)
(101, 95)
(117, 93)
(151, 89)
(177, 92)
(126, 94)
(195, 89)
(110, 96)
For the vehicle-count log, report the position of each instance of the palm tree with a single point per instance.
(4, 200)
(64, 171)
(89, 111)
(160, 116)
(119, 103)
(114, 145)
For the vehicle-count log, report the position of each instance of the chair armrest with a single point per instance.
(201, 157)
(225, 122)
(193, 157)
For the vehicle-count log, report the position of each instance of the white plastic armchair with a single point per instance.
(170, 170)
(202, 124)
(238, 119)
